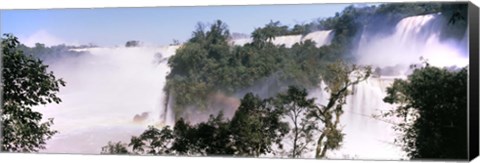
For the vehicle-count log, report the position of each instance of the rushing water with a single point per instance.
(414, 37)
(321, 38)
(105, 89)
(114, 93)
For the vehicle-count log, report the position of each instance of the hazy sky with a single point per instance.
(160, 25)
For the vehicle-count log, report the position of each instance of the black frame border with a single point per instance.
(473, 111)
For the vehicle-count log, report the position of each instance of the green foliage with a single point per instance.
(394, 12)
(432, 104)
(269, 32)
(185, 138)
(213, 137)
(49, 54)
(25, 83)
(132, 43)
(194, 63)
(256, 126)
(296, 106)
(115, 148)
(341, 76)
(206, 138)
(456, 14)
(153, 141)
(208, 64)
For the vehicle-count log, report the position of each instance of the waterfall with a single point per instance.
(105, 89)
(168, 117)
(414, 37)
(321, 38)
(365, 136)
(288, 41)
(108, 87)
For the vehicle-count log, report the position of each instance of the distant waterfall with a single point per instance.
(108, 87)
(321, 38)
(414, 37)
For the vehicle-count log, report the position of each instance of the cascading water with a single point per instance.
(107, 88)
(288, 41)
(321, 38)
(414, 37)
(365, 136)
(116, 84)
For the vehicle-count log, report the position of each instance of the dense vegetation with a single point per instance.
(52, 53)
(258, 127)
(435, 98)
(254, 129)
(25, 83)
(207, 63)
(433, 111)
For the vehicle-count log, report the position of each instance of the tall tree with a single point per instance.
(339, 79)
(215, 136)
(115, 148)
(153, 141)
(185, 139)
(432, 105)
(25, 83)
(256, 127)
(296, 106)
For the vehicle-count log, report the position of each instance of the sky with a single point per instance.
(153, 25)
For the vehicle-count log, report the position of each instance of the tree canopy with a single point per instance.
(25, 83)
(432, 105)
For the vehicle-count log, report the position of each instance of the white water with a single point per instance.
(367, 137)
(104, 91)
(414, 37)
(321, 38)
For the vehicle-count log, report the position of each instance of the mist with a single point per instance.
(113, 93)
(414, 38)
(106, 88)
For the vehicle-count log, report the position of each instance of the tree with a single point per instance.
(25, 83)
(339, 79)
(214, 137)
(153, 141)
(256, 126)
(115, 148)
(296, 107)
(184, 141)
(268, 33)
(206, 138)
(132, 43)
(432, 107)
